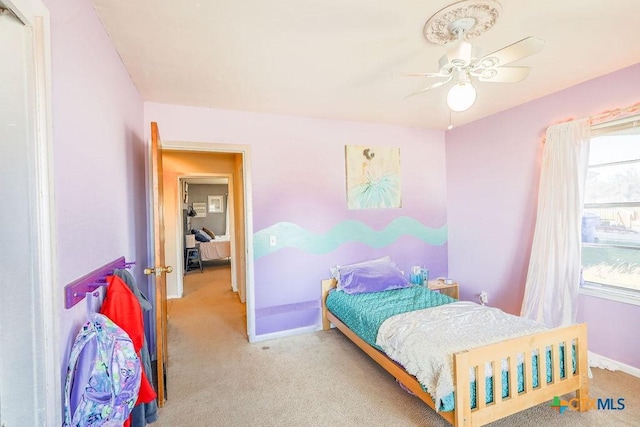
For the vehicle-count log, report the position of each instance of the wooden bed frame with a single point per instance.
(463, 414)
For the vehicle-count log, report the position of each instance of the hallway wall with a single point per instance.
(214, 221)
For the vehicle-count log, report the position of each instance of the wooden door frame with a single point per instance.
(245, 152)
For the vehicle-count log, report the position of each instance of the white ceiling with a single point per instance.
(339, 59)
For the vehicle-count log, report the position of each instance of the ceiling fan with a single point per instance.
(462, 63)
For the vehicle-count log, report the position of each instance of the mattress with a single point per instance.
(365, 313)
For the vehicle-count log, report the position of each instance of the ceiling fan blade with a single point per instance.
(513, 52)
(433, 86)
(504, 74)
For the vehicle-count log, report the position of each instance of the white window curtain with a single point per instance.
(553, 279)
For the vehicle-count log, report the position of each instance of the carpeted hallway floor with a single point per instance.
(216, 378)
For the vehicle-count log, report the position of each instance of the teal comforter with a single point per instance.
(364, 313)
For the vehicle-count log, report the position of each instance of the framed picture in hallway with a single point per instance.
(215, 204)
(201, 209)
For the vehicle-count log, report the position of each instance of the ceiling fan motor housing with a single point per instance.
(461, 55)
(460, 26)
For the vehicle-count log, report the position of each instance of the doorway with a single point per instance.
(200, 160)
(206, 209)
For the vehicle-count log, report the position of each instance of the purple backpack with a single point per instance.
(103, 377)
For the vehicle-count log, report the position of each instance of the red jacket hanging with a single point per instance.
(122, 307)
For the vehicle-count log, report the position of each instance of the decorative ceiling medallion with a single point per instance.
(473, 16)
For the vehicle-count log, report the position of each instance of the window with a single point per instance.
(611, 216)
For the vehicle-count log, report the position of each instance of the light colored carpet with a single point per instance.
(217, 378)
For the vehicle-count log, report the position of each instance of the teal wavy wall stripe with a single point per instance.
(291, 235)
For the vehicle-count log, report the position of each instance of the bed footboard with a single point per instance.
(476, 359)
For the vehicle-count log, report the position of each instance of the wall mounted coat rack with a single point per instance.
(77, 290)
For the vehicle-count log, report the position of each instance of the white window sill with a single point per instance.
(627, 297)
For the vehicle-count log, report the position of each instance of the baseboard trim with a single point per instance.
(288, 333)
(598, 361)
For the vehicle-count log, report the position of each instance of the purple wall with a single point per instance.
(298, 177)
(98, 156)
(493, 169)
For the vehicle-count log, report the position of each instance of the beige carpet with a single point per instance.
(216, 378)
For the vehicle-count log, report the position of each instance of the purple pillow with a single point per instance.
(376, 275)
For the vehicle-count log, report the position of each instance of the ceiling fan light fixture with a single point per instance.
(461, 96)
